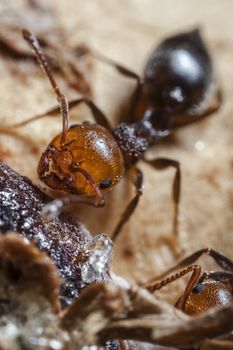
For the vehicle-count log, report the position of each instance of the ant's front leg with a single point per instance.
(187, 265)
(220, 259)
(55, 207)
(137, 181)
(225, 263)
(98, 115)
(195, 277)
(64, 106)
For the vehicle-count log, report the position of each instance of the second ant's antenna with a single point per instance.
(64, 107)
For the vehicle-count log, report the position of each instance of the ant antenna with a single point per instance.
(64, 107)
(196, 272)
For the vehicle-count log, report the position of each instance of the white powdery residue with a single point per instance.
(45, 342)
(67, 271)
(41, 240)
(9, 335)
(27, 223)
(99, 252)
(55, 344)
(52, 209)
(41, 330)
(8, 199)
(119, 281)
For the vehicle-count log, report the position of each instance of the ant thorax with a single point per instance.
(133, 140)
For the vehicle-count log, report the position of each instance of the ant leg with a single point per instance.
(137, 181)
(98, 115)
(55, 207)
(127, 73)
(53, 112)
(63, 103)
(161, 164)
(225, 263)
(220, 259)
(120, 68)
(219, 276)
(196, 273)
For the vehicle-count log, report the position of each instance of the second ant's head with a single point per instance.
(89, 154)
(207, 294)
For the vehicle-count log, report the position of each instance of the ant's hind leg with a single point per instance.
(119, 67)
(137, 181)
(161, 164)
(126, 72)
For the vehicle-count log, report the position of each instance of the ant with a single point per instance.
(86, 159)
(203, 291)
(178, 87)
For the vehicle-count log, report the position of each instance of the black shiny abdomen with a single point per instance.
(179, 73)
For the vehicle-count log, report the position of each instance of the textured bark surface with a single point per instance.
(62, 238)
(127, 31)
(31, 316)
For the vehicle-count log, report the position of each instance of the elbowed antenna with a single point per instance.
(64, 106)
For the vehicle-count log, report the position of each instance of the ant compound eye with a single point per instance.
(105, 183)
(198, 288)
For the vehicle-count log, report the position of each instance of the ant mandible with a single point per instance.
(86, 159)
(211, 289)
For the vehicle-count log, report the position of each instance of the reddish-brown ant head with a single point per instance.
(89, 153)
(202, 292)
(206, 295)
(82, 158)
